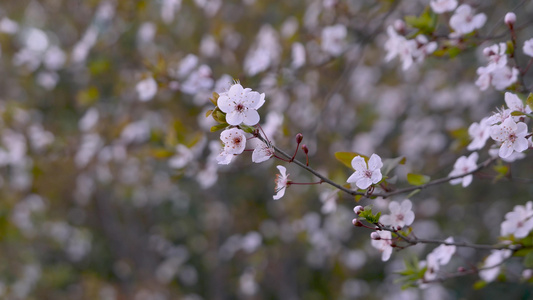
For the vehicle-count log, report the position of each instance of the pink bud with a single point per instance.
(358, 209)
(510, 19)
(357, 223)
(305, 149)
(461, 269)
(399, 26)
(375, 236)
(299, 138)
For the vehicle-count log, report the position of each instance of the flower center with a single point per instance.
(237, 140)
(239, 107)
(368, 173)
(512, 137)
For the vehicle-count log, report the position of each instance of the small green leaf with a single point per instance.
(219, 127)
(208, 113)
(346, 157)
(417, 179)
(529, 101)
(510, 48)
(214, 100)
(517, 113)
(425, 23)
(479, 285)
(248, 129)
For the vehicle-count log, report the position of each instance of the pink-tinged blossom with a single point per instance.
(424, 48)
(518, 222)
(442, 6)
(240, 105)
(485, 77)
(499, 116)
(493, 263)
(146, 89)
(440, 256)
(401, 214)
(512, 136)
(479, 133)
(462, 166)
(383, 244)
(364, 175)
(496, 55)
(262, 152)
(528, 47)
(515, 104)
(510, 18)
(504, 77)
(281, 182)
(398, 45)
(297, 55)
(464, 21)
(333, 39)
(234, 143)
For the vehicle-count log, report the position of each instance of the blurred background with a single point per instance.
(110, 188)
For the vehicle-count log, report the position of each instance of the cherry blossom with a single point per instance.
(480, 133)
(504, 77)
(493, 262)
(518, 222)
(528, 47)
(515, 104)
(333, 39)
(398, 45)
(234, 143)
(262, 152)
(442, 6)
(383, 243)
(496, 55)
(512, 136)
(440, 256)
(281, 182)
(401, 214)
(146, 89)
(365, 175)
(462, 166)
(464, 21)
(240, 105)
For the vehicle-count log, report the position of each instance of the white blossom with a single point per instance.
(479, 133)
(333, 39)
(462, 166)
(365, 175)
(240, 105)
(493, 262)
(146, 89)
(262, 152)
(383, 244)
(442, 6)
(281, 182)
(512, 136)
(528, 47)
(464, 21)
(518, 222)
(401, 215)
(234, 143)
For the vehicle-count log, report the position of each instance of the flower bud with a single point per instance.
(510, 19)
(399, 26)
(461, 269)
(375, 236)
(299, 138)
(357, 223)
(358, 209)
(305, 149)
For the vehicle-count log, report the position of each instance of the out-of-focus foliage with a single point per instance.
(109, 184)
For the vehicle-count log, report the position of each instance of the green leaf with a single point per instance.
(346, 157)
(214, 100)
(417, 179)
(425, 23)
(219, 127)
(517, 113)
(391, 163)
(208, 113)
(248, 129)
(529, 101)
(479, 285)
